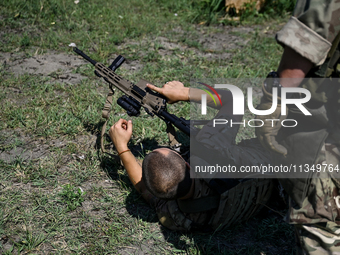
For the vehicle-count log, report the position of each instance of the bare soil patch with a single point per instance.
(59, 66)
(15, 144)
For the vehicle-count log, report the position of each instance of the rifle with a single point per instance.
(136, 97)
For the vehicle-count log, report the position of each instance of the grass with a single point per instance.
(49, 129)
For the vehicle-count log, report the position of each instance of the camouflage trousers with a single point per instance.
(317, 221)
(318, 239)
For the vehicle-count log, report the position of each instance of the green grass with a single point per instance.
(41, 209)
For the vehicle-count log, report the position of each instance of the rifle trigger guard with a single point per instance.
(177, 147)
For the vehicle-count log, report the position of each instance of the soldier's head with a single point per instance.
(166, 174)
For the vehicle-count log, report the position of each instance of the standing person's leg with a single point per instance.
(317, 229)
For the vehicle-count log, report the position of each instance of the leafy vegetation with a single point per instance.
(73, 198)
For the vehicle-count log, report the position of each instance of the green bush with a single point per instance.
(208, 10)
(278, 7)
(213, 11)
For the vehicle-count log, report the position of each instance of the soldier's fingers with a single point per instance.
(129, 126)
(120, 122)
(153, 87)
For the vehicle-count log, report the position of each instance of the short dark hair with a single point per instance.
(166, 176)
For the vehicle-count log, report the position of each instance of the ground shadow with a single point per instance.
(265, 233)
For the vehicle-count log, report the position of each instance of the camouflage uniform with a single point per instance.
(315, 205)
(312, 29)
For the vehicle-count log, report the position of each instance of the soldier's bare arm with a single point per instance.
(175, 91)
(294, 70)
(120, 134)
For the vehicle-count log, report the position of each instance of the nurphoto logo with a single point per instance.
(239, 102)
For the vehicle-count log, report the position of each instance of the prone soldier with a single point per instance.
(164, 181)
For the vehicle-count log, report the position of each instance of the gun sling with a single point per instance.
(106, 114)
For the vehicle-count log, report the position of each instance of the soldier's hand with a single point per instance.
(120, 134)
(174, 91)
(272, 124)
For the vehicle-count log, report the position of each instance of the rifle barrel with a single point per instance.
(133, 104)
(176, 122)
(78, 51)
